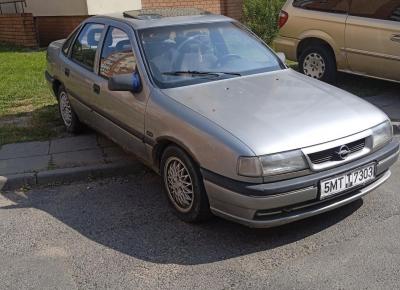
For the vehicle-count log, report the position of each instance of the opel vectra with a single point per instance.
(229, 127)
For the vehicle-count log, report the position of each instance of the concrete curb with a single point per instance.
(69, 174)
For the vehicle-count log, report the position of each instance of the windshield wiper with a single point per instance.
(199, 73)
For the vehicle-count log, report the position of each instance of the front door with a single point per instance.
(373, 38)
(121, 114)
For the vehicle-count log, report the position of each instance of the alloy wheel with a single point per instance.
(179, 184)
(65, 109)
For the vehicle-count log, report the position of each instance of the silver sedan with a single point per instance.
(230, 128)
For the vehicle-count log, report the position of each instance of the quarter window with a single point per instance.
(68, 42)
(383, 9)
(117, 56)
(332, 6)
(85, 46)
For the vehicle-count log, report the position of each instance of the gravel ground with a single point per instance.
(119, 233)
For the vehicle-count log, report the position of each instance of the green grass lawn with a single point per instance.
(28, 111)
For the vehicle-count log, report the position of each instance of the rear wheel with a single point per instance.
(184, 186)
(319, 63)
(68, 116)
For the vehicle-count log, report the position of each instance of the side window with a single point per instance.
(383, 9)
(68, 42)
(117, 56)
(332, 6)
(85, 46)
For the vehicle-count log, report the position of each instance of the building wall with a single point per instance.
(50, 28)
(111, 6)
(56, 7)
(48, 20)
(18, 29)
(231, 8)
(56, 19)
(73, 7)
(209, 5)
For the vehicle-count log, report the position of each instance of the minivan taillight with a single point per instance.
(283, 18)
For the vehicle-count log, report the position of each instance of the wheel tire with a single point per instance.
(199, 208)
(324, 58)
(67, 113)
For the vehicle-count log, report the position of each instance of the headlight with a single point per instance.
(273, 164)
(283, 162)
(381, 134)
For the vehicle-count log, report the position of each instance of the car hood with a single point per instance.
(279, 111)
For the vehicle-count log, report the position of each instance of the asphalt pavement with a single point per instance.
(119, 233)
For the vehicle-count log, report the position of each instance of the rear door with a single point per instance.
(373, 38)
(79, 70)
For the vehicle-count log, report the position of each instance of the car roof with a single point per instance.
(149, 18)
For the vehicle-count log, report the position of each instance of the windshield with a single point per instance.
(190, 54)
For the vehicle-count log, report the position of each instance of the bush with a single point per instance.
(261, 16)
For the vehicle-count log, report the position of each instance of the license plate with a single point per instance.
(346, 181)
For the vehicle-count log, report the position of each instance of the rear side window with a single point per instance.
(85, 46)
(332, 6)
(68, 42)
(383, 9)
(117, 56)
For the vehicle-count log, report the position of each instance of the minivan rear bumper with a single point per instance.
(278, 203)
(286, 45)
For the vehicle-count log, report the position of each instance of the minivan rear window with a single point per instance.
(331, 6)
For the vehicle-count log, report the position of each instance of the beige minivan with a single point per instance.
(355, 36)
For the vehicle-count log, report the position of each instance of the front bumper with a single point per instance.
(278, 203)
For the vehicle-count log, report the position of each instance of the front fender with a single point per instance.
(209, 145)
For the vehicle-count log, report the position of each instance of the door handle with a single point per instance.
(395, 37)
(66, 72)
(96, 88)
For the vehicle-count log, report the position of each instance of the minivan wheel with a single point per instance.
(68, 116)
(184, 186)
(318, 62)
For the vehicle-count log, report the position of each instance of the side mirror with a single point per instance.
(281, 56)
(126, 83)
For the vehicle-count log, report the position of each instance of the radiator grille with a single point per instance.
(331, 154)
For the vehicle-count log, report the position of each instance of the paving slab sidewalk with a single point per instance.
(61, 160)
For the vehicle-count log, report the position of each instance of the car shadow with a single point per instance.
(131, 216)
(367, 87)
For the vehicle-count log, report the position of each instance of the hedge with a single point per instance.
(261, 16)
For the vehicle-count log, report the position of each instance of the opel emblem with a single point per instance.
(343, 152)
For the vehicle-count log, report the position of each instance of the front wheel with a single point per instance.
(184, 186)
(319, 63)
